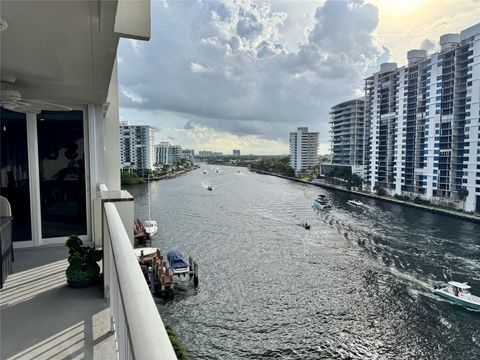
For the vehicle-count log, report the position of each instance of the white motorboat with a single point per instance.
(150, 225)
(151, 228)
(355, 202)
(459, 293)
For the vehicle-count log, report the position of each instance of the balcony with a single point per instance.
(43, 318)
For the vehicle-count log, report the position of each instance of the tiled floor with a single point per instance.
(42, 318)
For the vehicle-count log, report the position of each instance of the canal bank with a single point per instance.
(457, 214)
(174, 174)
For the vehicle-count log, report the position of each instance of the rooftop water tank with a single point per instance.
(449, 41)
(386, 67)
(415, 56)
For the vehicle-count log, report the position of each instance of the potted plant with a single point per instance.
(83, 270)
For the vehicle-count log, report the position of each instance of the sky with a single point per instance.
(223, 75)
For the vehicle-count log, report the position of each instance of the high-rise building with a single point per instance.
(303, 149)
(188, 154)
(346, 134)
(136, 147)
(168, 154)
(422, 123)
(236, 152)
(204, 153)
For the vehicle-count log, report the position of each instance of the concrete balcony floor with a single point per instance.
(42, 318)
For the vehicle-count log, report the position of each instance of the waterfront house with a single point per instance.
(60, 174)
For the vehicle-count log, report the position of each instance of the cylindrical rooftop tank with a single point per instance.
(449, 41)
(386, 67)
(415, 56)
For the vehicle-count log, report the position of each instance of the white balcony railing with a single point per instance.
(139, 329)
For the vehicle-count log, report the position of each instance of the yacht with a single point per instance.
(459, 293)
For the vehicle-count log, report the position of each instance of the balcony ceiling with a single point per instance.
(59, 51)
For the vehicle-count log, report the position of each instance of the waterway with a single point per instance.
(356, 285)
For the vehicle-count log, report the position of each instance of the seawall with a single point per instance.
(453, 213)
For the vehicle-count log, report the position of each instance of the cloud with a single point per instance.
(229, 66)
(429, 46)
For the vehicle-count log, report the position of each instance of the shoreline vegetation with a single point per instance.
(180, 351)
(398, 200)
(132, 178)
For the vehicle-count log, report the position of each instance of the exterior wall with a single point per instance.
(111, 135)
(168, 154)
(347, 130)
(137, 151)
(471, 174)
(422, 124)
(303, 149)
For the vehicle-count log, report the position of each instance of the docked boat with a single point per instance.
(150, 225)
(177, 263)
(155, 271)
(205, 171)
(459, 293)
(355, 202)
(151, 228)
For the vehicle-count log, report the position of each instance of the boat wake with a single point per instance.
(411, 279)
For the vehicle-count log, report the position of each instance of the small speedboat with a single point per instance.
(355, 202)
(306, 226)
(209, 188)
(459, 293)
(177, 263)
(151, 228)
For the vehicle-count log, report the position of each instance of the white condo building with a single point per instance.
(168, 154)
(303, 149)
(136, 147)
(422, 123)
(346, 134)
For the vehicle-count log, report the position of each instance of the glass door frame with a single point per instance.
(34, 183)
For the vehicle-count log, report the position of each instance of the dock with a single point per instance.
(159, 275)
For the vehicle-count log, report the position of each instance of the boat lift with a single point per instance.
(158, 274)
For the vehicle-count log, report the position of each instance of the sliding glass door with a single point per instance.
(14, 173)
(61, 164)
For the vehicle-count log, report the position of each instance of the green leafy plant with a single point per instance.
(83, 269)
(177, 346)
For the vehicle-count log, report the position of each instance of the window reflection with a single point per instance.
(62, 173)
(14, 176)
